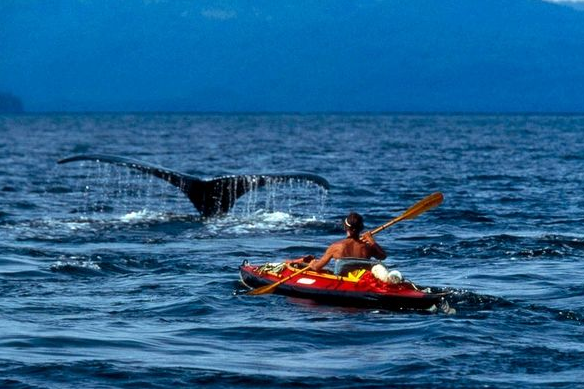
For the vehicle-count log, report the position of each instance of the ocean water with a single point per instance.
(110, 278)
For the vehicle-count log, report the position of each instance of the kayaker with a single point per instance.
(353, 246)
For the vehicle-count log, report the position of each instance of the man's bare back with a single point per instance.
(350, 247)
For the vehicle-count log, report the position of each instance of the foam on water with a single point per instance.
(261, 222)
(73, 263)
(143, 215)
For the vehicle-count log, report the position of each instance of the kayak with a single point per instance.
(357, 288)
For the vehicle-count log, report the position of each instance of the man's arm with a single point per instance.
(318, 264)
(375, 250)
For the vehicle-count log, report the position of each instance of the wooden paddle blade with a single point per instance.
(424, 205)
(263, 290)
(417, 209)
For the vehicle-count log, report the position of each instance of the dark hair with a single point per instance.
(354, 223)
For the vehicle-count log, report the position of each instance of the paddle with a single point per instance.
(417, 209)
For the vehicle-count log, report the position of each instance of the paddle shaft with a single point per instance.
(270, 288)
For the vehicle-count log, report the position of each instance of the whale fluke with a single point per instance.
(210, 197)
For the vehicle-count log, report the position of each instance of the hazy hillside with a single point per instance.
(10, 103)
(295, 55)
(579, 5)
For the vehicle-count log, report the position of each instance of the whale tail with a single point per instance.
(210, 197)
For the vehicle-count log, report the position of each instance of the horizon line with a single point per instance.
(292, 112)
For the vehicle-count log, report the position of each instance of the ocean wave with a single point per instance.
(89, 229)
(121, 374)
(467, 301)
(464, 216)
(189, 307)
(514, 246)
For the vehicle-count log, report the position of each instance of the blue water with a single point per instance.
(109, 278)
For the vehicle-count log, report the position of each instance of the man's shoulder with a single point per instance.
(338, 245)
(342, 242)
(343, 245)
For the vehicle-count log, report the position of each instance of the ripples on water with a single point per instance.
(109, 278)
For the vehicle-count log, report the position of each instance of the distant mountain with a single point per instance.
(579, 5)
(10, 103)
(293, 55)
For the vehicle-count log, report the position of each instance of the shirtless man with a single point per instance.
(352, 246)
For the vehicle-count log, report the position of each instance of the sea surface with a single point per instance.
(109, 278)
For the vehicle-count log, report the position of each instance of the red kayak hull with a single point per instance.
(358, 290)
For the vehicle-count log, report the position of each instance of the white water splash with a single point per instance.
(72, 263)
(293, 196)
(260, 220)
(143, 215)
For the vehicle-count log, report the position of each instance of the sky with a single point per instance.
(293, 55)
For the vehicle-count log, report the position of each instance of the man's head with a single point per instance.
(354, 224)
